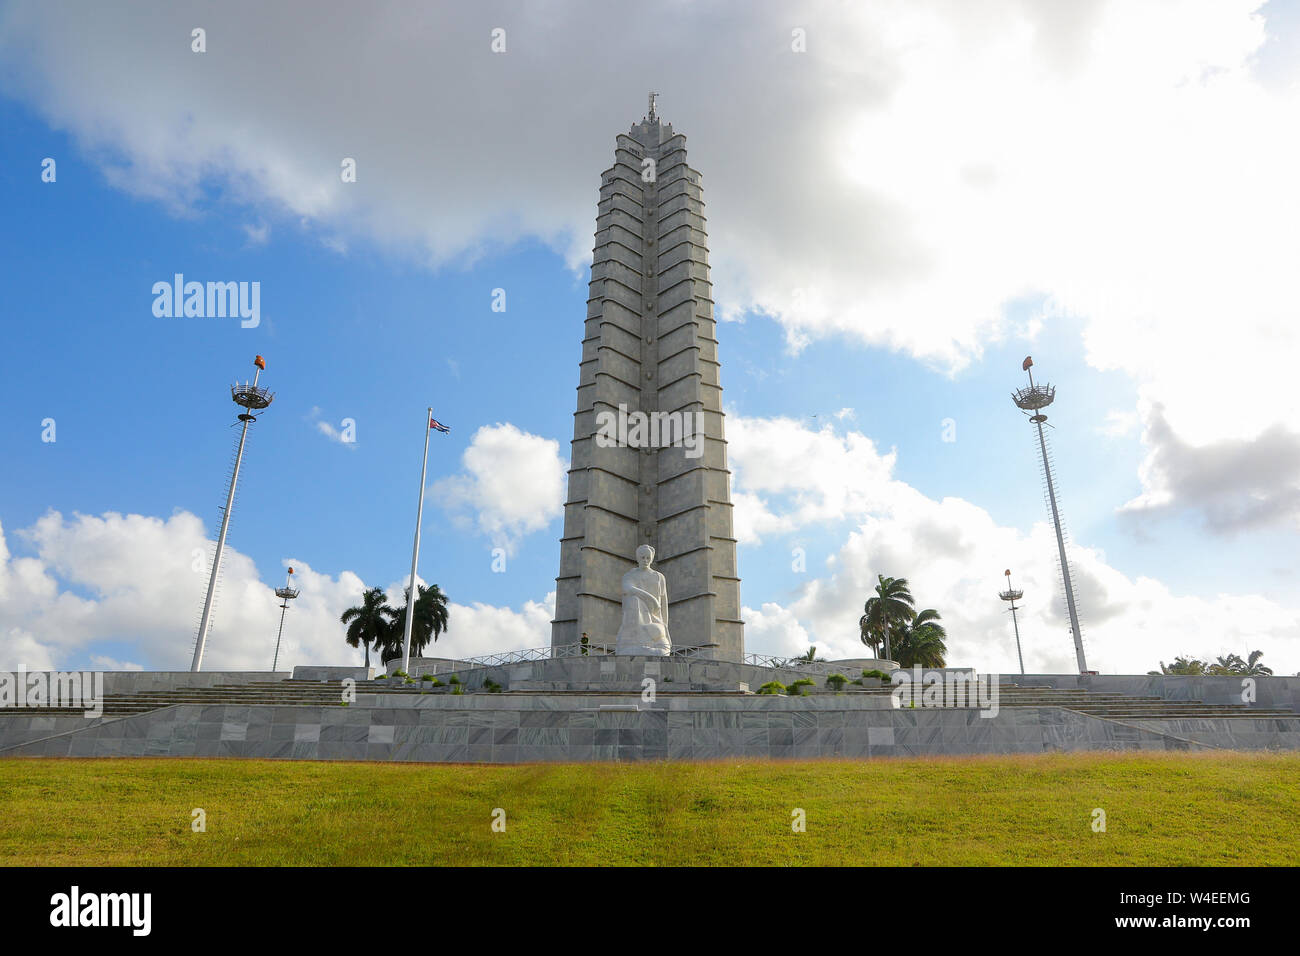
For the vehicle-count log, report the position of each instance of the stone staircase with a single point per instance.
(280, 693)
(323, 693)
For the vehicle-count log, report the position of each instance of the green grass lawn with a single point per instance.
(1161, 809)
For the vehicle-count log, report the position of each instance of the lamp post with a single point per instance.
(286, 594)
(252, 399)
(1012, 595)
(1035, 398)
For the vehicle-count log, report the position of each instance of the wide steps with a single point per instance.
(291, 693)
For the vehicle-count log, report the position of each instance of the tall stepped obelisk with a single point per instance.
(649, 346)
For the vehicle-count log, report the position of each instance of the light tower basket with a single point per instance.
(1034, 398)
(251, 397)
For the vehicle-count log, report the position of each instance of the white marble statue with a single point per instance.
(645, 609)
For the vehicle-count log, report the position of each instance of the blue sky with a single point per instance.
(372, 323)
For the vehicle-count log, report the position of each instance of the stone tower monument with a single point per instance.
(649, 455)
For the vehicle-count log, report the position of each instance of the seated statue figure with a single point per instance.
(645, 609)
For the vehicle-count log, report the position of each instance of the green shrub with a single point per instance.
(458, 689)
(836, 682)
(453, 679)
(772, 687)
(880, 675)
(428, 677)
(399, 673)
(491, 686)
(797, 688)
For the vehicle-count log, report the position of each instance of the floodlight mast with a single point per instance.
(1012, 595)
(286, 594)
(1035, 398)
(251, 398)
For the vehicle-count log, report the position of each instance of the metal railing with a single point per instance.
(794, 663)
(551, 652)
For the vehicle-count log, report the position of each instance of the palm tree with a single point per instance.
(922, 642)
(1183, 666)
(1254, 668)
(893, 605)
(808, 657)
(1223, 666)
(429, 622)
(368, 623)
(1232, 664)
(868, 635)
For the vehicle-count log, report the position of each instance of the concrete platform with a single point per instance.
(605, 708)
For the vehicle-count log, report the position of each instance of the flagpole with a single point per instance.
(415, 551)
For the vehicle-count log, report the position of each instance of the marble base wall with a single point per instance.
(491, 729)
(1237, 733)
(17, 730)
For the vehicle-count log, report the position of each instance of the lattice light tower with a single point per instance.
(1013, 595)
(285, 594)
(1034, 399)
(251, 398)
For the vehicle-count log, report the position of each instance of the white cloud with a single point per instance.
(142, 580)
(513, 483)
(1233, 483)
(789, 477)
(344, 435)
(776, 630)
(479, 629)
(1119, 423)
(135, 582)
(101, 663)
(920, 167)
(332, 433)
(21, 649)
(257, 234)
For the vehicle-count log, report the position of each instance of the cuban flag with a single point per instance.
(439, 426)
